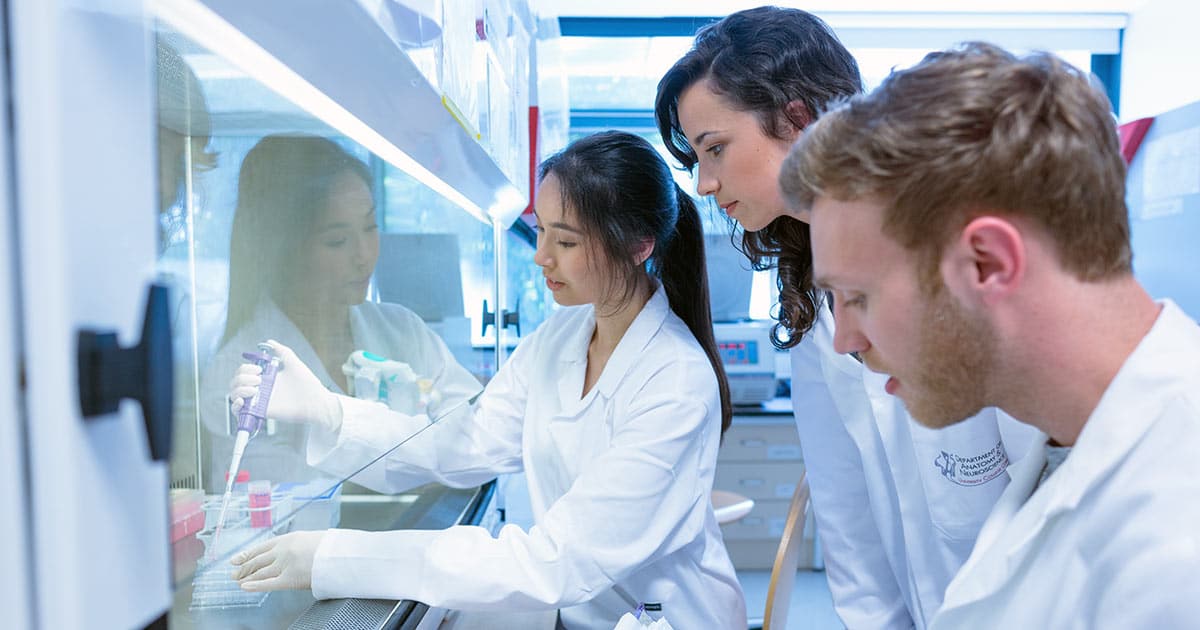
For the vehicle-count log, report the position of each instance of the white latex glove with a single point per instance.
(282, 563)
(298, 395)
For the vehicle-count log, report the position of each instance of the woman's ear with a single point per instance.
(643, 251)
(798, 116)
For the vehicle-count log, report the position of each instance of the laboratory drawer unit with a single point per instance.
(760, 459)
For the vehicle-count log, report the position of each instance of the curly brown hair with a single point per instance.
(763, 60)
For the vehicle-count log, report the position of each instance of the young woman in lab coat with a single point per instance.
(614, 408)
(302, 249)
(730, 109)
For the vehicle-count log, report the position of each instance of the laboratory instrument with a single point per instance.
(749, 359)
(393, 383)
(251, 417)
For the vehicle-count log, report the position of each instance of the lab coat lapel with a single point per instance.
(633, 343)
(1021, 515)
(1005, 534)
(869, 417)
(1111, 431)
(572, 365)
(844, 377)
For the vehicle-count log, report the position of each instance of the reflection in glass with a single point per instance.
(415, 209)
(183, 135)
(303, 248)
(274, 226)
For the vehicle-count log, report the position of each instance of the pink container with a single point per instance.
(260, 503)
(187, 513)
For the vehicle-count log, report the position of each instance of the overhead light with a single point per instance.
(202, 25)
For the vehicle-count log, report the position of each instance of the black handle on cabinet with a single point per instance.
(507, 318)
(109, 373)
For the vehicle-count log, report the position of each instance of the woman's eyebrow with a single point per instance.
(558, 224)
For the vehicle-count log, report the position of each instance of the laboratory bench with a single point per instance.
(427, 507)
(760, 459)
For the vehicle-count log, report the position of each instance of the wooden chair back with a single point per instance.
(787, 559)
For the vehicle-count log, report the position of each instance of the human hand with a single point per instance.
(282, 563)
(297, 396)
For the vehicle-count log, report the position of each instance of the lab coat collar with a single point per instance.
(1007, 526)
(633, 342)
(572, 358)
(1110, 433)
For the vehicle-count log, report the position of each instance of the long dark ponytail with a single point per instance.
(687, 290)
(622, 193)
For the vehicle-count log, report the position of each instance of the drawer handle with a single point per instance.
(754, 443)
(751, 483)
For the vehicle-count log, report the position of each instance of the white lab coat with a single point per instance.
(619, 483)
(1112, 538)
(924, 493)
(389, 330)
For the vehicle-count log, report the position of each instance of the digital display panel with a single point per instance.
(738, 352)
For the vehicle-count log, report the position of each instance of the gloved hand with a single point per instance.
(298, 396)
(281, 563)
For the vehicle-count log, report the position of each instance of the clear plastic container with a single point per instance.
(277, 506)
(321, 502)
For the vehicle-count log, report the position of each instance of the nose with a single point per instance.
(706, 181)
(366, 251)
(358, 253)
(541, 257)
(847, 334)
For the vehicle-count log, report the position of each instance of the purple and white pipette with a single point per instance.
(250, 420)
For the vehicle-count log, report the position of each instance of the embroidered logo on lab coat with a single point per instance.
(975, 470)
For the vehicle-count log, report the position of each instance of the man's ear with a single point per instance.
(643, 251)
(986, 261)
(798, 116)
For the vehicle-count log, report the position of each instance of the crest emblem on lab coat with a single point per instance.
(973, 470)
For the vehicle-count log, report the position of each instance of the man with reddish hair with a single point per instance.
(969, 218)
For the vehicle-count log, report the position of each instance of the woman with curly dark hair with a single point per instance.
(896, 512)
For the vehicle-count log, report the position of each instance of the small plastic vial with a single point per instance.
(260, 503)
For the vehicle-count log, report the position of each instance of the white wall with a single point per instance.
(1158, 62)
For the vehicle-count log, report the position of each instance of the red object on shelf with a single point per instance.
(1132, 133)
(243, 476)
(188, 525)
(534, 117)
(187, 513)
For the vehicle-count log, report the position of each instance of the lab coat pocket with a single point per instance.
(963, 471)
